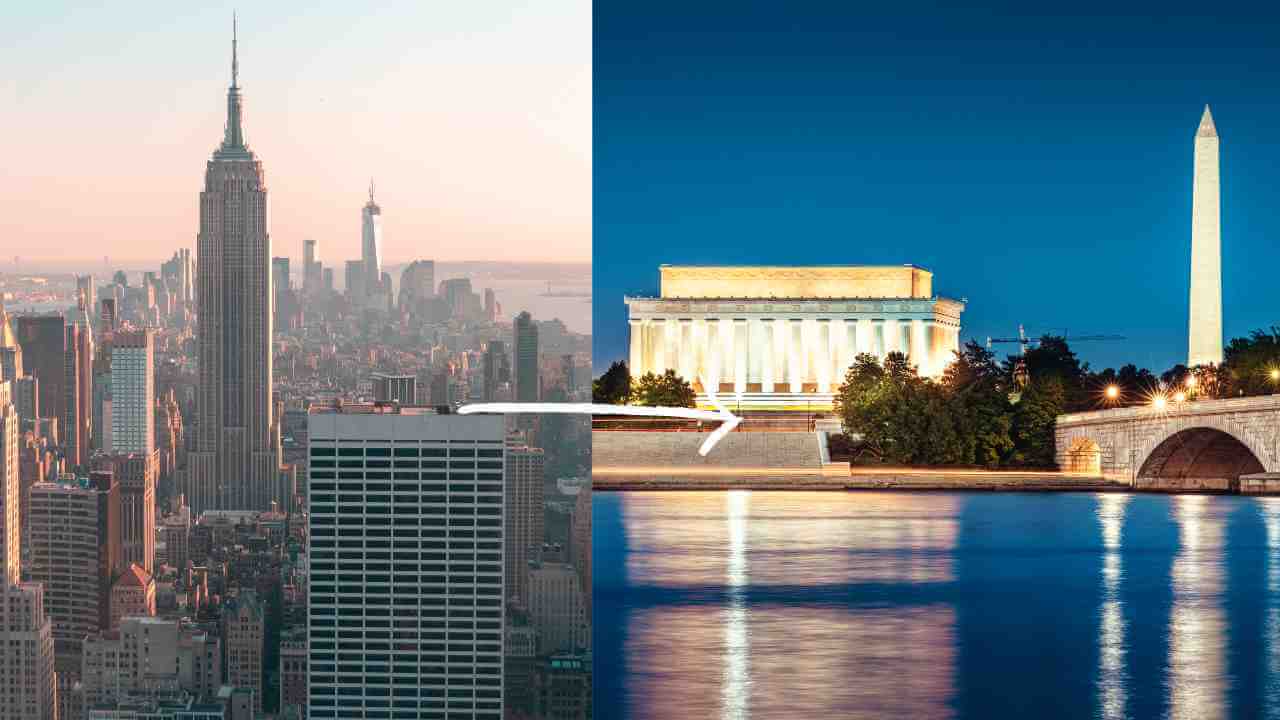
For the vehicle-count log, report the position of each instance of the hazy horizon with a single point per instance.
(473, 121)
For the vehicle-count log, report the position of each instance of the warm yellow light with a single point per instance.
(1179, 396)
(1113, 392)
(1275, 374)
(1191, 381)
(1158, 402)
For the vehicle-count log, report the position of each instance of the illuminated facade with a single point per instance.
(781, 336)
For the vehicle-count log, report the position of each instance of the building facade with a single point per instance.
(782, 336)
(243, 634)
(73, 556)
(133, 595)
(525, 511)
(407, 542)
(236, 458)
(133, 392)
(528, 381)
(27, 689)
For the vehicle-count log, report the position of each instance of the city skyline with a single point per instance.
(390, 94)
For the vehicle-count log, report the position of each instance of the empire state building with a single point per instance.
(235, 464)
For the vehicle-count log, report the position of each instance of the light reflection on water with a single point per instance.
(893, 605)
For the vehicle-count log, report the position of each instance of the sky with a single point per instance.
(1039, 164)
(473, 119)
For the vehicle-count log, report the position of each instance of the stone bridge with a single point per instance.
(1213, 445)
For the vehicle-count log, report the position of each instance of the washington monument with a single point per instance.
(1205, 327)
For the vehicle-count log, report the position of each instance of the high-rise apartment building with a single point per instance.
(77, 408)
(73, 555)
(236, 460)
(405, 604)
(133, 394)
(27, 689)
(243, 633)
(497, 369)
(417, 284)
(525, 510)
(312, 269)
(526, 352)
(43, 340)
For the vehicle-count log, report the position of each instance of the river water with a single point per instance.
(933, 605)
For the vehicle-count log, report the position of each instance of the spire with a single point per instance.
(1207, 129)
(235, 63)
(370, 191)
(234, 137)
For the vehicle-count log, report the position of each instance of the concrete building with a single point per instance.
(497, 369)
(10, 350)
(236, 457)
(434, 583)
(293, 669)
(146, 655)
(401, 389)
(43, 341)
(417, 284)
(778, 336)
(1205, 325)
(564, 687)
(525, 511)
(136, 476)
(133, 394)
(77, 417)
(133, 595)
(26, 635)
(528, 381)
(243, 634)
(557, 609)
(73, 556)
(580, 543)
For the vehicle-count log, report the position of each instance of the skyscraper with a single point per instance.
(235, 462)
(411, 552)
(417, 283)
(312, 276)
(371, 243)
(10, 350)
(77, 408)
(133, 395)
(496, 369)
(527, 379)
(43, 341)
(74, 554)
(280, 286)
(136, 475)
(243, 635)
(525, 508)
(1205, 326)
(26, 637)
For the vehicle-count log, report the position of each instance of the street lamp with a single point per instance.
(1113, 392)
(1158, 402)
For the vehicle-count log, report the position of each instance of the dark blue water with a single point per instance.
(970, 605)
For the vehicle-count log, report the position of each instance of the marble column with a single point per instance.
(878, 347)
(795, 354)
(684, 352)
(823, 354)
(658, 346)
(713, 359)
(740, 355)
(636, 361)
(767, 353)
(849, 348)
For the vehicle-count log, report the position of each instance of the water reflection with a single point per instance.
(1270, 508)
(754, 609)
(1197, 625)
(1112, 677)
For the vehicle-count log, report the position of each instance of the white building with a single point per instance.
(406, 563)
(782, 336)
(133, 395)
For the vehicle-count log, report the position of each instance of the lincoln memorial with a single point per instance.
(784, 336)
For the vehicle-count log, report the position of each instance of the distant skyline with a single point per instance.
(473, 120)
(1038, 161)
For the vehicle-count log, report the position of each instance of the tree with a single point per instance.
(1248, 364)
(858, 402)
(665, 390)
(981, 405)
(613, 387)
(1034, 418)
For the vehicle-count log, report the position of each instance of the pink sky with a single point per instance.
(475, 123)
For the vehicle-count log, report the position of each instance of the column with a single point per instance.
(685, 340)
(636, 361)
(713, 358)
(658, 346)
(825, 355)
(878, 347)
(848, 348)
(729, 345)
(795, 354)
(919, 349)
(907, 345)
(929, 365)
(767, 352)
(740, 355)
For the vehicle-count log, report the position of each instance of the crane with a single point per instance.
(1024, 342)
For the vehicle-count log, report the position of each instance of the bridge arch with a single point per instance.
(1203, 449)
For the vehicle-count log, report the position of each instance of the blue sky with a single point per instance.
(1039, 165)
